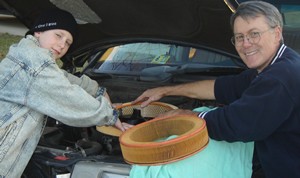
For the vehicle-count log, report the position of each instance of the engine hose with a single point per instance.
(89, 148)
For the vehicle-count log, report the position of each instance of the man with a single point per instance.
(262, 104)
(32, 86)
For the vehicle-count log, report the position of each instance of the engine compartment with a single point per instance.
(71, 151)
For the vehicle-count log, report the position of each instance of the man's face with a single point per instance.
(57, 41)
(258, 52)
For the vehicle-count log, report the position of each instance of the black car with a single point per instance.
(129, 46)
(4, 11)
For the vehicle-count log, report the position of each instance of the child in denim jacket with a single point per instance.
(32, 86)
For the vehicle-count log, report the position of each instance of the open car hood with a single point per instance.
(190, 21)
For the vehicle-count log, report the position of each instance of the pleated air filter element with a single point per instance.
(152, 110)
(127, 109)
(149, 143)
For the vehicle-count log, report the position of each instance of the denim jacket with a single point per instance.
(32, 86)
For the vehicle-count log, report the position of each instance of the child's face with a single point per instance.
(57, 41)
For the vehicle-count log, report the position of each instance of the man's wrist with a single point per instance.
(202, 114)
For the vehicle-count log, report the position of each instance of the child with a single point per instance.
(32, 86)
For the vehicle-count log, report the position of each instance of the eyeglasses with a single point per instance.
(252, 37)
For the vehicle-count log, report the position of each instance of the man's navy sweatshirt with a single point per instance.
(263, 107)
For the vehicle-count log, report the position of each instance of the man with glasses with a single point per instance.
(262, 104)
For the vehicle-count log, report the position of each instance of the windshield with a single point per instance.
(133, 58)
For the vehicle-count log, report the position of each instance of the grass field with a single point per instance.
(5, 41)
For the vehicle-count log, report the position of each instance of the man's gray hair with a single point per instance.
(253, 9)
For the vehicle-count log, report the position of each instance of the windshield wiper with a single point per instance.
(163, 73)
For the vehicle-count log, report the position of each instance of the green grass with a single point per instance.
(5, 41)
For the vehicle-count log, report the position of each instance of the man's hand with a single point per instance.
(150, 95)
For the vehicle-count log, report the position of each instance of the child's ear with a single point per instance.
(36, 34)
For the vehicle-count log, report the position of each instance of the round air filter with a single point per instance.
(127, 110)
(140, 144)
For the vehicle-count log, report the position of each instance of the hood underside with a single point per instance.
(198, 22)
